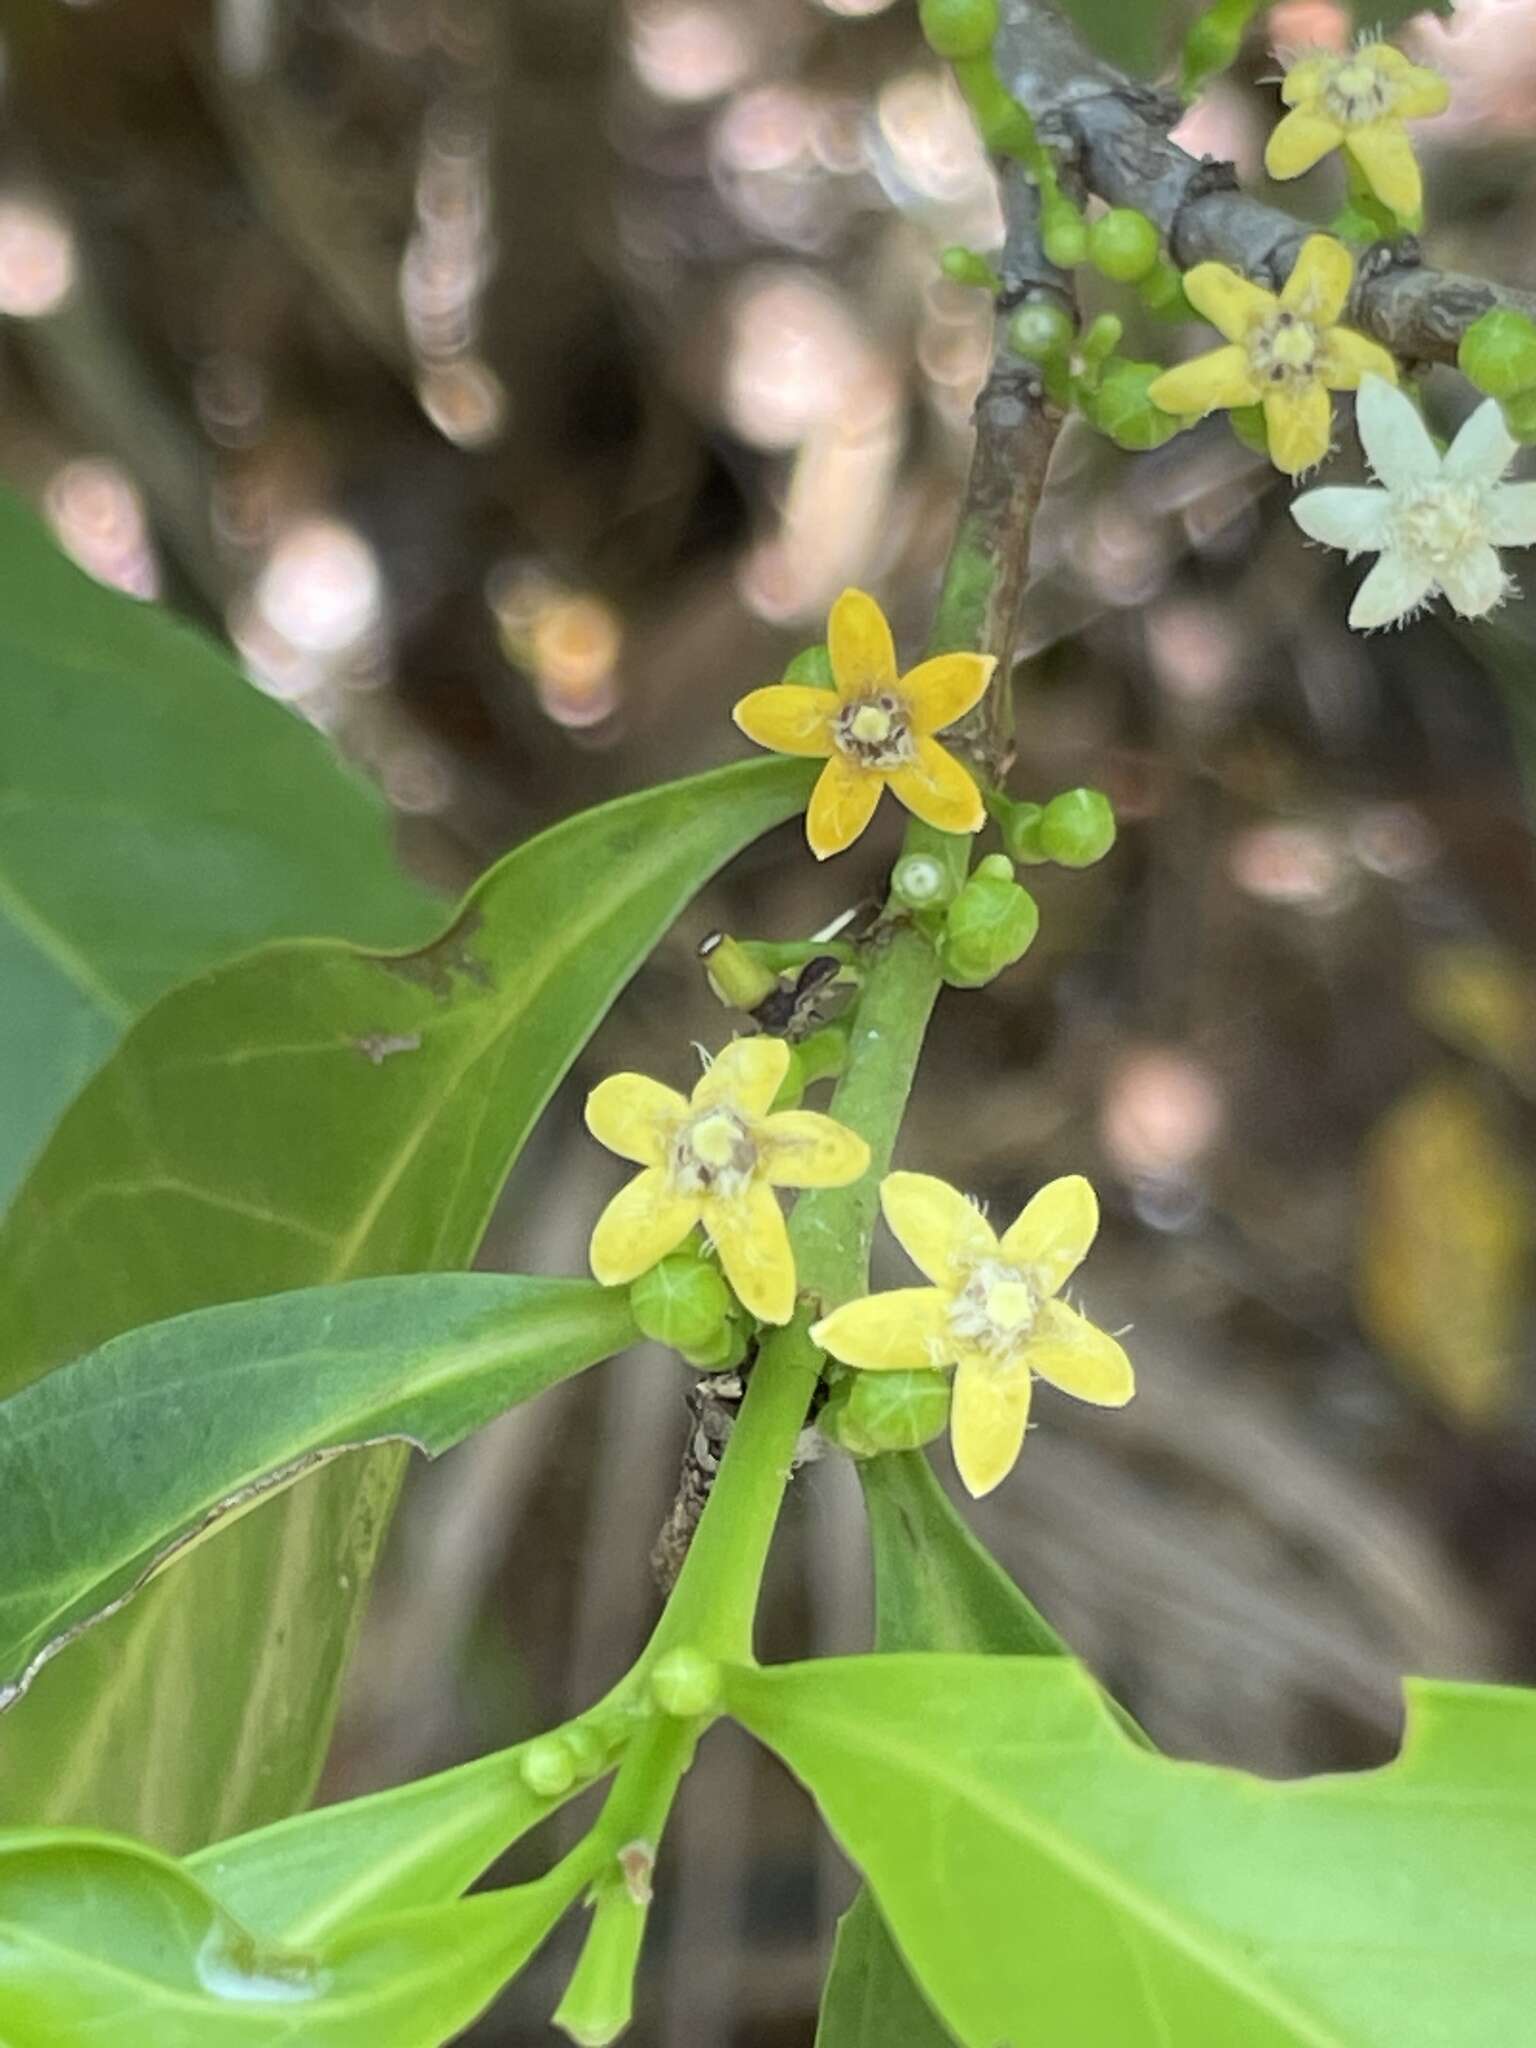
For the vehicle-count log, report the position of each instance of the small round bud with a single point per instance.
(1099, 340)
(682, 1302)
(919, 882)
(812, 666)
(1077, 828)
(724, 1351)
(959, 28)
(1498, 353)
(870, 1412)
(1123, 245)
(1211, 45)
(1064, 236)
(1247, 422)
(1520, 415)
(588, 1751)
(990, 924)
(997, 866)
(1020, 827)
(685, 1682)
(963, 266)
(547, 1766)
(1040, 331)
(1120, 407)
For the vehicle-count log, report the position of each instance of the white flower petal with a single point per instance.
(1475, 581)
(1396, 440)
(1512, 515)
(1396, 586)
(1343, 516)
(1484, 448)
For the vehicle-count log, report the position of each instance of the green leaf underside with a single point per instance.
(119, 1461)
(103, 1941)
(157, 814)
(1049, 1880)
(307, 1114)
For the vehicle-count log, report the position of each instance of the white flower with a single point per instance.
(1438, 520)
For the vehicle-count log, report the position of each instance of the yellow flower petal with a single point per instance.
(942, 1233)
(1304, 81)
(1231, 304)
(1079, 1357)
(987, 1417)
(789, 717)
(842, 804)
(937, 789)
(1300, 427)
(749, 1234)
(643, 1222)
(1054, 1230)
(1420, 93)
(1319, 283)
(859, 646)
(802, 1149)
(897, 1332)
(631, 1115)
(1299, 141)
(1386, 156)
(1345, 357)
(1207, 383)
(944, 689)
(745, 1076)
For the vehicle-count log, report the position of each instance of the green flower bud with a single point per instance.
(963, 266)
(682, 1302)
(812, 666)
(588, 1751)
(1040, 331)
(1077, 828)
(1247, 422)
(920, 882)
(1211, 45)
(990, 924)
(996, 867)
(685, 1683)
(1120, 407)
(1020, 827)
(547, 1766)
(1064, 238)
(1162, 292)
(724, 1351)
(1498, 353)
(1520, 415)
(870, 1412)
(958, 28)
(1124, 245)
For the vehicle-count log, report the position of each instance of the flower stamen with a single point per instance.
(875, 732)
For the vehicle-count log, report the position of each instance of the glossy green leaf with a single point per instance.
(103, 1940)
(156, 814)
(307, 1114)
(302, 1879)
(117, 1463)
(1050, 1880)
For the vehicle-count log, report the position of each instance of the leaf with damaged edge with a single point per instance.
(113, 1466)
(106, 1941)
(1050, 1880)
(157, 814)
(307, 1114)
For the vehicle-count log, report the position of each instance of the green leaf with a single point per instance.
(120, 1462)
(105, 1941)
(157, 814)
(307, 1114)
(1049, 1880)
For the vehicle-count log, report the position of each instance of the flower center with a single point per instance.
(1439, 522)
(996, 1308)
(714, 1155)
(874, 732)
(1356, 91)
(1284, 349)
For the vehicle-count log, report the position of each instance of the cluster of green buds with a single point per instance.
(991, 924)
(683, 1302)
(868, 1413)
(1498, 354)
(1213, 42)
(557, 1763)
(1074, 829)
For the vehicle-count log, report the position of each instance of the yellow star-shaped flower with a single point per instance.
(875, 729)
(1359, 100)
(991, 1312)
(715, 1159)
(1285, 353)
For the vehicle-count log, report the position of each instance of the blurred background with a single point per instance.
(516, 384)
